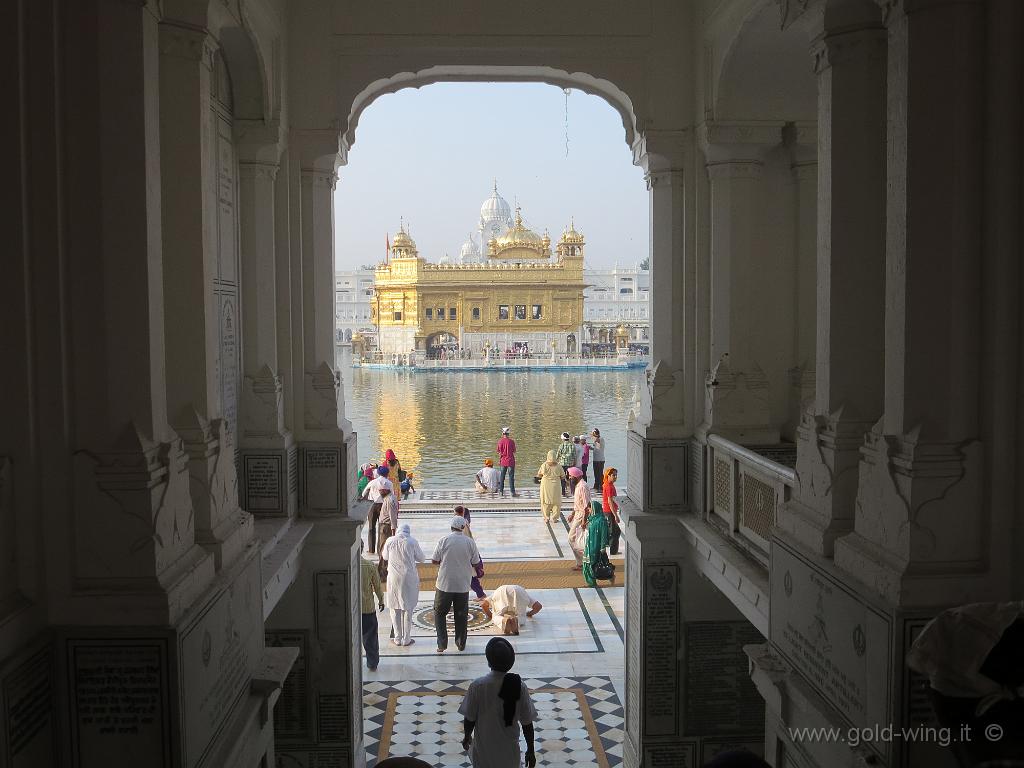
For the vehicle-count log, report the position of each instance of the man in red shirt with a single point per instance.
(507, 456)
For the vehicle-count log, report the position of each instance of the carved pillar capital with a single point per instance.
(187, 43)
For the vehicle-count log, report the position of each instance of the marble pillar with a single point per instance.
(320, 719)
(801, 140)
(921, 532)
(658, 433)
(196, 327)
(738, 403)
(268, 455)
(850, 274)
(327, 454)
(688, 694)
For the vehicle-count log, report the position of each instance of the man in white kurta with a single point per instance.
(402, 552)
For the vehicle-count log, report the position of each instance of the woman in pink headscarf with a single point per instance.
(579, 515)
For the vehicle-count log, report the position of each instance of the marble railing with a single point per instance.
(745, 490)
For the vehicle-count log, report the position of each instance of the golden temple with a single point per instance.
(519, 297)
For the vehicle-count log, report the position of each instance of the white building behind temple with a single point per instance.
(614, 297)
(353, 292)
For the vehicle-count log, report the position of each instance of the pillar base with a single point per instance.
(836, 659)
(189, 695)
(657, 468)
(320, 715)
(687, 692)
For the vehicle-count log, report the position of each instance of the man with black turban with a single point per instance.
(493, 706)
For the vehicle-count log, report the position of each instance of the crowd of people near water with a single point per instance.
(497, 707)
(594, 532)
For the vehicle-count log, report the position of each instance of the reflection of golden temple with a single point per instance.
(518, 295)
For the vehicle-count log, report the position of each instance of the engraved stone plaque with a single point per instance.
(119, 702)
(331, 605)
(661, 647)
(218, 652)
(292, 711)
(322, 478)
(27, 707)
(837, 640)
(720, 696)
(263, 483)
(633, 643)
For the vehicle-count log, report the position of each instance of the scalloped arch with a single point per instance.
(606, 89)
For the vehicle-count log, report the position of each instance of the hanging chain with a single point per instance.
(566, 91)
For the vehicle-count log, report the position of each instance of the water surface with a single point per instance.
(442, 425)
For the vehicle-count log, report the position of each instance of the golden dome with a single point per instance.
(571, 236)
(518, 234)
(402, 240)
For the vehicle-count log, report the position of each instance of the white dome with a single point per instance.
(495, 209)
(470, 251)
(446, 259)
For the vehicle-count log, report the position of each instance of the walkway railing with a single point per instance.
(744, 493)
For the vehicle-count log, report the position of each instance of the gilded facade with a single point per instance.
(519, 295)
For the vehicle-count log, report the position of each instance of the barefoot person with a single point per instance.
(456, 554)
(493, 707)
(552, 477)
(369, 581)
(506, 604)
(507, 460)
(579, 517)
(402, 552)
(487, 479)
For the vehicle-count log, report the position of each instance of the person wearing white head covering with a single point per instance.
(402, 552)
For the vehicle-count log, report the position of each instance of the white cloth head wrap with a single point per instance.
(953, 646)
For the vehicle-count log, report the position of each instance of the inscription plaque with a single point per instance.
(229, 380)
(218, 652)
(119, 709)
(633, 642)
(322, 479)
(263, 483)
(331, 602)
(332, 717)
(720, 696)
(661, 646)
(291, 713)
(838, 641)
(319, 758)
(27, 707)
(682, 755)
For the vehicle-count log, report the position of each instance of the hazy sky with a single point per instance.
(430, 156)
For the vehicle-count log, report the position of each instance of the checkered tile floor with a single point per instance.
(580, 721)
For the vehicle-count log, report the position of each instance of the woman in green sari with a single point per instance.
(598, 536)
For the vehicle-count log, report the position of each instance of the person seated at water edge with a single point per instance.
(506, 604)
(550, 475)
(494, 704)
(579, 517)
(401, 553)
(478, 569)
(487, 478)
(372, 492)
(456, 554)
(565, 453)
